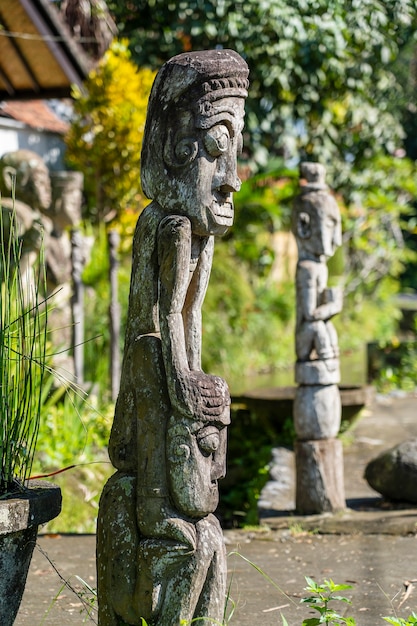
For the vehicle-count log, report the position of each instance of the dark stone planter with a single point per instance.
(20, 517)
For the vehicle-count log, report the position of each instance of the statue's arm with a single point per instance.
(309, 297)
(194, 302)
(174, 254)
(192, 393)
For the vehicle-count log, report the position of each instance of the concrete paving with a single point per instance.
(371, 546)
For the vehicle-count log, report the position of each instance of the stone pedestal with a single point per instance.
(317, 414)
(317, 372)
(317, 411)
(320, 484)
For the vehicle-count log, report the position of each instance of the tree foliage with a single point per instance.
(320, 69)
(376, 221)
(325, 85)
(105, 138)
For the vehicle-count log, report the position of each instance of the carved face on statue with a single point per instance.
(66, 198)
(316, 221)
(196, 455)
(318, 230)
(196, 145)
(33, 185)
(203, 168)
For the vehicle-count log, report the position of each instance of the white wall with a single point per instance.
(50, 146)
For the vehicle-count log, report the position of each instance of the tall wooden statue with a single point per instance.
(317, 407)
(160, 548)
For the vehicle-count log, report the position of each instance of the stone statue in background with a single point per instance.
(160, 549)
(316, 225)
(317, 229)
(46, 205)
(25, 188)
(65, 214)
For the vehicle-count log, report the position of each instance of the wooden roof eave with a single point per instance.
(62, 61)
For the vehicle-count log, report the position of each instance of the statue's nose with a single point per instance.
(226, 178)
(231, 185)
(218, 471)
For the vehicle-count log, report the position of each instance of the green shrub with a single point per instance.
(23, 357)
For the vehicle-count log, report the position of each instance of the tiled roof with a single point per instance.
(34, 113)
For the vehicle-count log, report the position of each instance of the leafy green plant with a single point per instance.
(330, 95)
(399, 621)
(322, 595)
(96, 308)
(87, 430)
(78, 462)
(394, 365)
(23, 316)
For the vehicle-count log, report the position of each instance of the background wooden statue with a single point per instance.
(316, 225)
(25, 189)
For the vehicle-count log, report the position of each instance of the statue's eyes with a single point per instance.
(217, 140)
(208, 440)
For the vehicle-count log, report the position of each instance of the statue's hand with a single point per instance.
(157, 519)
(180, 530)
(334, 297)
(201, 396)
(33, 237)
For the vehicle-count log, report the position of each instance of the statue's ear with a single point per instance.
(304, 225)
(9, 176)
(179, 150)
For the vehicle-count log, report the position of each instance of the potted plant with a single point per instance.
(24, 504)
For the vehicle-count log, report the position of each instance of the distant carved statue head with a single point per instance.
(314, 175)
(193, 136)
(28, 172)
(67, 187)
(316, 221)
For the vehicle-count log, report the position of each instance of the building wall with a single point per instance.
(16, 136)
